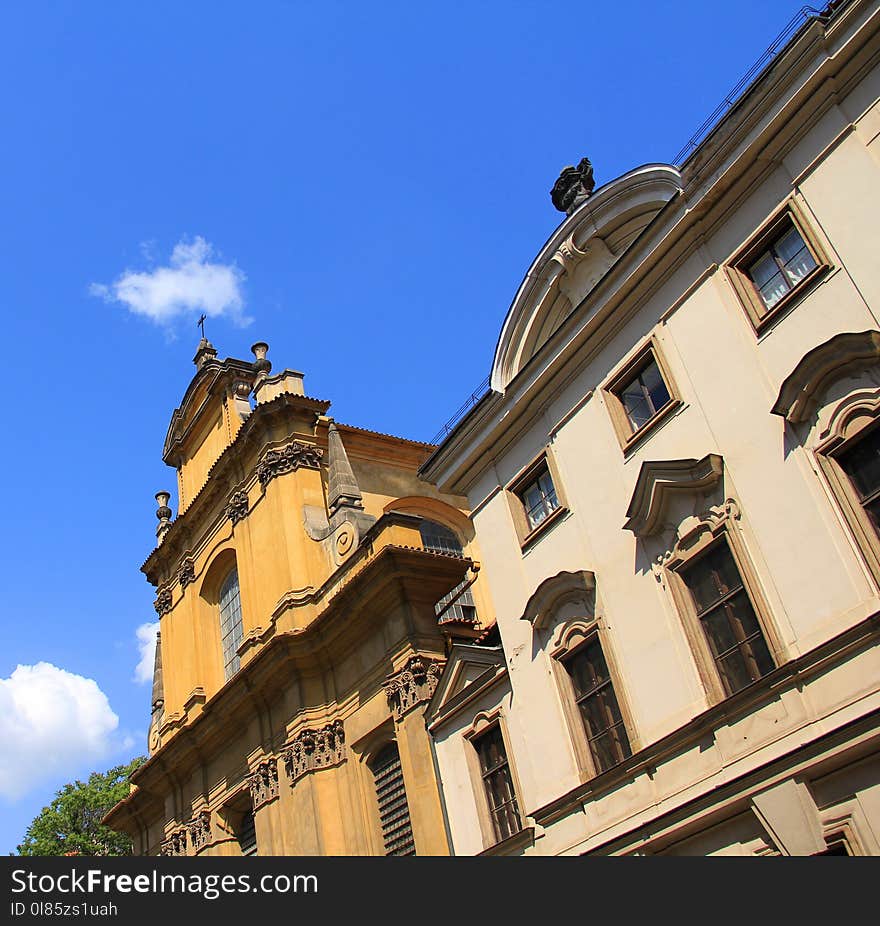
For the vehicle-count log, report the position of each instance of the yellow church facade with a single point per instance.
(308, 591)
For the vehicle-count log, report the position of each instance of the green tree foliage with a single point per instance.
(71, 824)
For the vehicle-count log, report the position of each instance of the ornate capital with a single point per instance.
(314, 749)
(200, 830)
(175, 844)
(163, 601)
(413, 684)
(187, 572)
(264, 782)
(238, 507)
(287, 459)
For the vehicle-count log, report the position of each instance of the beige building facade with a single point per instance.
(674, 481)
(307, 591)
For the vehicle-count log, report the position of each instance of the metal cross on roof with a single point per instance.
(201, 324)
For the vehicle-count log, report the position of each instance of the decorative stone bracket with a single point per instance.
(238, 507)
(414, 684)
(163, 601)
(175, 844)
(200, 830)
(314, 749)
(187, 573)
(289, 458)
(263, 782)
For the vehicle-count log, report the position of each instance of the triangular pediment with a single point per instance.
(468, 669)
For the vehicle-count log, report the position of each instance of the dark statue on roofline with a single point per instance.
(574, 186)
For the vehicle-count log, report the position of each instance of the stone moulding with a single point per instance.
(289, 458)
(578, 587)
(238, 507)
(314, 749)
(658, 479)
(263, 783)
(200, 830)
(414, 684)
(163, 602)
(817, 369)
(175, 844)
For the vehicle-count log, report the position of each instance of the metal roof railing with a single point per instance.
(803, 15)
(462, 410)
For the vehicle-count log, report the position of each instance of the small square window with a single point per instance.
(777, 265)
(640, 395)
(536, 498)
(539, 498)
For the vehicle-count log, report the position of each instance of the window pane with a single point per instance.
(539, 499)
(588, 668)
(763, 270)
(657, 391)
(862, 464)
(789, 245)
(712, 576)
(636, 404)
(231, 631)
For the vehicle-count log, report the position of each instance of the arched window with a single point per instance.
(440, 539)
(397, 835)
(230, 623)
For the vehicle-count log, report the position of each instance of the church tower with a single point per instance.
(308, 590)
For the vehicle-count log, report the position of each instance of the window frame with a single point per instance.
(791, 214)
(708, 534)
(544, 462)
(484, 723)
(235, 656)
(858, 420)
(628, 436)
(574, 637)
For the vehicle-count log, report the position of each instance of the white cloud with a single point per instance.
(192, 283)
(52, 723)
(146, 638)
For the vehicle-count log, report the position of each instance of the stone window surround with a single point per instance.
(718, 525)
(610, 390)
(854, 417)
(484, 722)
(526, 535)
(791, 213)
(568, 639)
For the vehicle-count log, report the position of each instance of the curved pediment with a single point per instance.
(820, 367)
(659, 479)
(579, 253)
(552, 593)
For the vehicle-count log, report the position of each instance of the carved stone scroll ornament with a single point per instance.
(574, 186)
(315, 749)
(163, 601)
(264, 782)
(175, 844)
(415, 683)
(200, 830)
(187, 573)
(237, 509)
(287, 459)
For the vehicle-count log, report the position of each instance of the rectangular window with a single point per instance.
(779, 263)
(597, 702)
(644, 395)
(781, 267)
(538, 498)
(497, 781)
(862, 464)
(727, 618)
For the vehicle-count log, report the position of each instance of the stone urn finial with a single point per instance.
(261, 365)
(574, 186)
(163, 513)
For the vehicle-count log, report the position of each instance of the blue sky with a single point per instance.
(361, 185)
